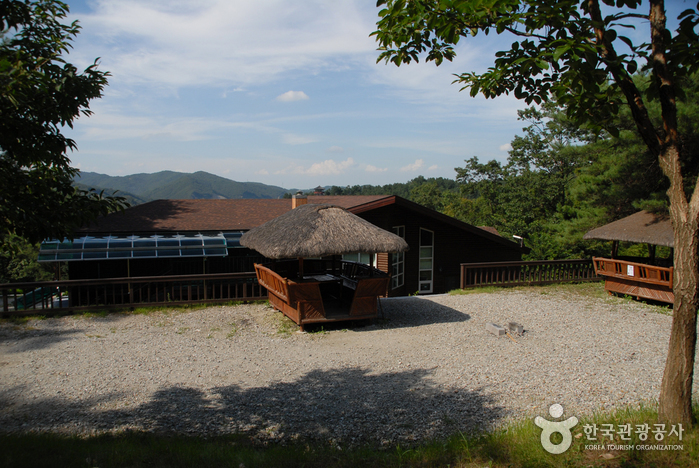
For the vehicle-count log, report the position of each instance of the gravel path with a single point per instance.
(428, 369)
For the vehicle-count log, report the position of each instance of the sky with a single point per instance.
(279, 92)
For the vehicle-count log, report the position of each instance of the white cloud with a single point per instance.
(507, 147)
(220, 42)
(416, 166)
(336, 149)
(433, 168)
(291, 96)
(370, 168)
(262, 172)
(329, 167)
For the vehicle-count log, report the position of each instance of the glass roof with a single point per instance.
(134, 246)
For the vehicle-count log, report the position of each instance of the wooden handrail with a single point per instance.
(641, 272)
(130, 292)
(526, 272)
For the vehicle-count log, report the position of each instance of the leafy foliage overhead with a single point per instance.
(41, 93)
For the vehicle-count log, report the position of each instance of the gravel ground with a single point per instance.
(427, 370)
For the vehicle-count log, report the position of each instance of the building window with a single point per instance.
(398, 262)
(365, 258)
(426, 260)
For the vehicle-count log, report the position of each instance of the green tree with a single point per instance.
(40, 93)
(568, 50)
(18, 262)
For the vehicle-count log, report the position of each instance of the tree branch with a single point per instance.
(628, 87)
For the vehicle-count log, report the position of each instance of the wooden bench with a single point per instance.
(301, 300)
(635, 279)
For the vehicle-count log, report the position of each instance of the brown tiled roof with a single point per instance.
(642, 227)
(490, 229)
(208, 215)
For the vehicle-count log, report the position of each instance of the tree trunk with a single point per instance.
(675, 403)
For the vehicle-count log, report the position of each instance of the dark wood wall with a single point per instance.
(452, 247)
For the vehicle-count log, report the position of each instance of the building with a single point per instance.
(176, 237)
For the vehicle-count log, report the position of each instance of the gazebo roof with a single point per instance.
(317, 231)
(642, 227)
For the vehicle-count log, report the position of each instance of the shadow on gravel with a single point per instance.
(348, 406)
(400, 312)
(31, 340)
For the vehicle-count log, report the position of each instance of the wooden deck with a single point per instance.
(326, 295)
(636, 279)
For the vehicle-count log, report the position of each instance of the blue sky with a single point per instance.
(279, 92)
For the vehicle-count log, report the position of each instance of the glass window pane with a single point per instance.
(144, 253)
(426, 275)
(144, 243)
(191, 242)
(425, 237)
(215, 241)
(425, 252)
(426, 264)
(168, 243)
(94, 255)
(168, 253)
(425, 286)
(192, 252)
(216, 252)
(119, 254)
(95, 245)
(120, 244)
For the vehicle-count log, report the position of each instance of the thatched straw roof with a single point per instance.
(642, 227)
(317, 231)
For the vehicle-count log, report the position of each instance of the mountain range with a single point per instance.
(142, 188)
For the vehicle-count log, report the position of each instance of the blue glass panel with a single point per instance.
(119, 254)
(191, 242)
(94, 255)
(144, 243)
(168, 243)
(48, 246)
(47, 257)
(192, 252)
(144, 254)
(215, 252)
(67, 256)
(214, 241)
(120, 244)
(95, 245)
(168, 253)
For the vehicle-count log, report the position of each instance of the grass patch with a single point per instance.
(588, 289)
(283, 324)
(517, 445)
(592, 289)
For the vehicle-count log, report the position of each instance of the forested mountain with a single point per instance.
(140, 188)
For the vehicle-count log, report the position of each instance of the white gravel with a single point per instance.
(427, 370)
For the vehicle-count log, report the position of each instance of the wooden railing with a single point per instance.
(64, 296)
(636, 279)
(634, 271)
(475, 275)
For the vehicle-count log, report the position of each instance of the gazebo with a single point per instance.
(305, 280)
(651, 279)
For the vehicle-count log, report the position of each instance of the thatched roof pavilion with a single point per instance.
(643, 227)
(318, 231)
